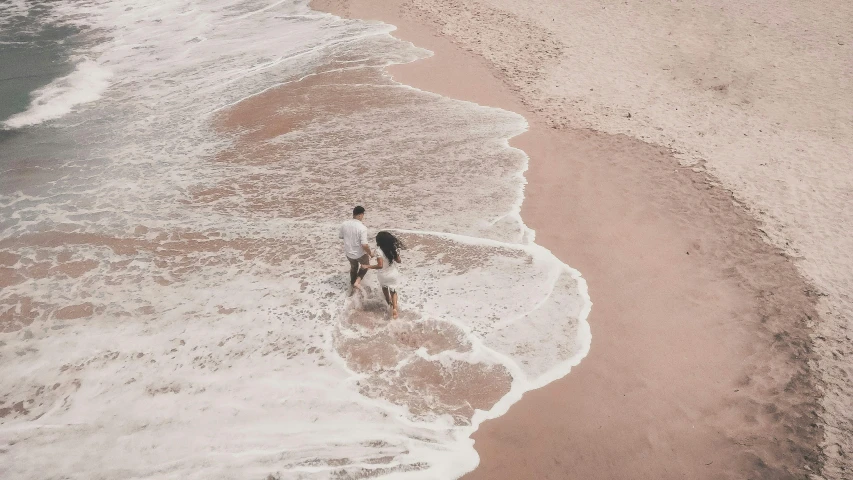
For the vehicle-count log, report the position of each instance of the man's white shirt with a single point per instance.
(354, 234)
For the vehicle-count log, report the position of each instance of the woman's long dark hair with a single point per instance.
(389, 244)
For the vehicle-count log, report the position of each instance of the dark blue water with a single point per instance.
(34, 50)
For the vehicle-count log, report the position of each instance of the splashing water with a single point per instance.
(174, 293)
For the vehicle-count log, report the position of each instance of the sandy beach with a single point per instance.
(625, 227)
(710, 347)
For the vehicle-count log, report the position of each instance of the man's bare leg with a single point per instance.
(358, 272)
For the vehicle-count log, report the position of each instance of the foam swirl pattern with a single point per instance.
(173, 296)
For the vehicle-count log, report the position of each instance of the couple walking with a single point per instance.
(358, 252)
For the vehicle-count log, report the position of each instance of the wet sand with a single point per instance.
(700, 359)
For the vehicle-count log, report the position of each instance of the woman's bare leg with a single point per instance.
(394, 304)
(387, 294)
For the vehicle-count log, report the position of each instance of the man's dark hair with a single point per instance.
(357, 211)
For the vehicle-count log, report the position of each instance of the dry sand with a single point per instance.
(702, 363)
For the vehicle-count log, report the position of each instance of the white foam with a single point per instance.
(85, 84)
(222, 343)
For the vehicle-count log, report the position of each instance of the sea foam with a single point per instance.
(85, 84)
(177, 305)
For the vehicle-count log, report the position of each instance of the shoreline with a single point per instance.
(699, 365)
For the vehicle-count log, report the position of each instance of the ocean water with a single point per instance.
(34, 50)
(174, 295)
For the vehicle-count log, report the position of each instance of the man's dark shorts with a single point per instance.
(354, 271)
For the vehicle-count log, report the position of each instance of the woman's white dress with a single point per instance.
(389, 276)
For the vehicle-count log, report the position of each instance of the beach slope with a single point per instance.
(701, 364)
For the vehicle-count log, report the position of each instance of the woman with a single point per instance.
(387, 259)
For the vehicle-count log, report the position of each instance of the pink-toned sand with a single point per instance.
(699, 366)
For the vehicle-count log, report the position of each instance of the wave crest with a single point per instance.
(85, 84)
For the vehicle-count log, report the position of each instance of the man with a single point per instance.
(354, 235)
